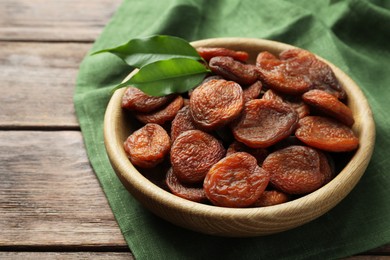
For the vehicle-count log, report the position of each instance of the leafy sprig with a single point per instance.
(166, 64)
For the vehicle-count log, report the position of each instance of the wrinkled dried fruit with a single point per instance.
(317, 72)
(136, 100)
(270, 198)
(235, 181)
(189, 192)
(209, 52)
(230, 69)
(182, 122)
(294, 101)
(147, 146)
(252, 92)
(278, 75)
(329, 105)
(192, 155)
(326, 134)
(264, 123)
(163, 115)
(216, 103)
(295, 169)
(212, 77)
(296, 72)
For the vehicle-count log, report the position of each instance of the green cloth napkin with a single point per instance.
(354, 35)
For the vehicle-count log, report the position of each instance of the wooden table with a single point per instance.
(51, 203)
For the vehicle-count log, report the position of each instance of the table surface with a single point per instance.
(51, 203)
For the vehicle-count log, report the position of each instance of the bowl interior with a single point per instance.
(118, 125)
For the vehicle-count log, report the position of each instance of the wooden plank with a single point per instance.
(54, 20)
(119, 255)
(49, 195)
(66, 255)
(37, 83)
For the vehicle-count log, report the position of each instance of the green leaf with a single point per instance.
(164, 77)
(142, 51)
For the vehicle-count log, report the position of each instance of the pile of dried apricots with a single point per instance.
(250, 135)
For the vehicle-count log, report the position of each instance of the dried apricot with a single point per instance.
(264, 123)
(277, 75)
(230, 69)
(182, 122)
(330, 105)
(294, 101)
(270, 198)
(211, 77)
(296, 72)
(317, 72)
(326, 134)
(235, 181)
(136, 100)
(147, 146)
(189, 192)
(252, 92)
(193, 153)
(163, 115)
(216, 103)
(295, 169)
(209, 52)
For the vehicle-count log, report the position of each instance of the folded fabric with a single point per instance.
(351, 34)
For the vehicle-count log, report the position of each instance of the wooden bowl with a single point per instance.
(241, 222)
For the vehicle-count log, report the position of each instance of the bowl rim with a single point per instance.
(129, 175)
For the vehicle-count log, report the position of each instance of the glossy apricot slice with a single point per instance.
(326, 134)
(235, 181)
